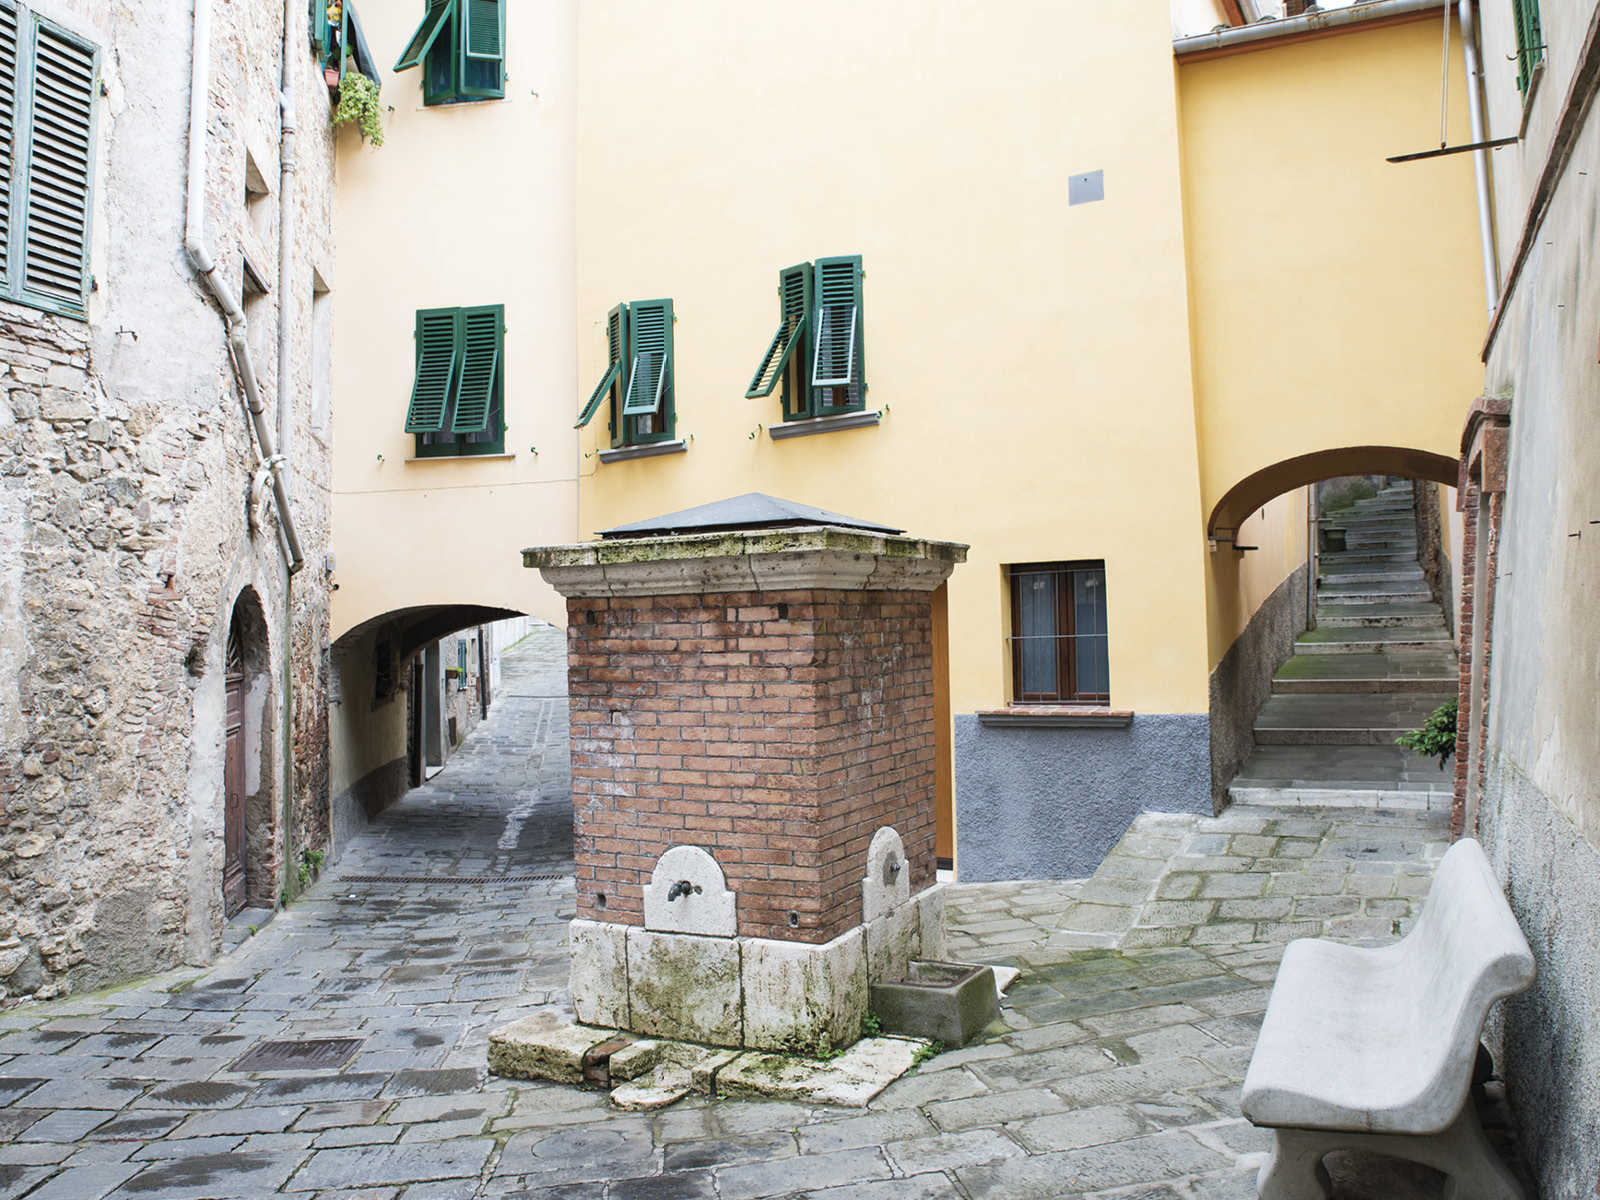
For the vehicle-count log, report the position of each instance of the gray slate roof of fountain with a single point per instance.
(753, 510)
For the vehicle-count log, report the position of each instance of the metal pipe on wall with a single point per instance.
(194, 245)
(1468, 13)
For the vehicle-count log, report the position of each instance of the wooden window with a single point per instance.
(460, 47)
(638, 377)
(817, 353)
(457, 394)
(48, 80)
(1530, 41)
(1059, 642)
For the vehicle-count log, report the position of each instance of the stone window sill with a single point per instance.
(790, 429)
(1055, 716)
(649, 450)
(432, 458)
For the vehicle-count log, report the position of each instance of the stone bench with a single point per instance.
(1374, 1050)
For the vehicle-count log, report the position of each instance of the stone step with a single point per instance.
(1363, 768)
(1306, 687)
(1342, 573)
(1372, 597)
(1373, 719)
(1370, 646)
(1337, 557)
(1360, 672)
(1374, 616)
(1370, 521)
(1394, 799)
(1379, 541)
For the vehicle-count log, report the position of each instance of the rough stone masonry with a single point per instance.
(126, 539)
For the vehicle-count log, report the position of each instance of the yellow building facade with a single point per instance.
(1052, 291)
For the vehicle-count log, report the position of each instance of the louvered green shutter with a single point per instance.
(482, 33)
(1530, 40)
(838, 322)
(319, 28)
(8, 127)
(616, 348)
(55, 233)
(794, 305)
(651, 368)
(433, 21)
(438, 353)
(482, 349)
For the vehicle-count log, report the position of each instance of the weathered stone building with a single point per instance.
(158, 656)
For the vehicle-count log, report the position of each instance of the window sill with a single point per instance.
(430, 458)
(855, 420)
(469, 102)
(648, 450)
(1055, 716)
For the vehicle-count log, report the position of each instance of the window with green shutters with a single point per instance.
(47, 90)
(816, 355)
(460, 47)
(457, 394)
(637, 382)
(1530, 41)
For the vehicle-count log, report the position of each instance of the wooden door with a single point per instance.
(233, 881)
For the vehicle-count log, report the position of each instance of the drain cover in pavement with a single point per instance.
(451, 878)
(296, 1055)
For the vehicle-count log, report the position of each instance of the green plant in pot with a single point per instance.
(358, 105)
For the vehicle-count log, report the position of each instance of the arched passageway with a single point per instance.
(410, 684)
(1253, 491)
(1335, 604)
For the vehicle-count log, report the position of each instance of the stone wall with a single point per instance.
(126, 534)
(778, 729)
(1242, 682)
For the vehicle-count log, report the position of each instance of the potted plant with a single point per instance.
(358, 105)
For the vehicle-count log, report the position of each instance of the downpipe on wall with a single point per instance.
(1468, 15)
(286, 248)
(194, 245)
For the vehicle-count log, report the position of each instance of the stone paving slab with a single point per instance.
(1113, 1070)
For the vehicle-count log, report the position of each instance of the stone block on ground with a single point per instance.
(543, 1046)
(685, 986)
(851, 1080)
(945, 1002)
(599, 972)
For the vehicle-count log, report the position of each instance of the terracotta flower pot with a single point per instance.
(331, 76)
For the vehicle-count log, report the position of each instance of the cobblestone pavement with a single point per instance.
(1113, 1072)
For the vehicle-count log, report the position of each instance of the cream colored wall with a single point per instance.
(463, 204)
(1241, 581)
(1337, 298)
(1031, 359)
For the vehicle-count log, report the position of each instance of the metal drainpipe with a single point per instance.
(1480, 158)
(194, 245)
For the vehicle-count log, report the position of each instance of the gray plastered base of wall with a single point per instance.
(1543, 1040)
(1242, 681)
(1051, 803)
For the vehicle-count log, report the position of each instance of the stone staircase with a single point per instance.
(1377, 663)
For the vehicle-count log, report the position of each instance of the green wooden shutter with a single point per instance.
(433, 21)
(55, 234)
(652, 357)
(438, 353)
(485, 29)
(482, 350)
(616, 348)
(794, 304)
(319, 28)
(837, 332)
(1530, 40)
(482, 33)
(8, 128)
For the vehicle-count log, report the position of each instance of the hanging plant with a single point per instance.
(358, 104)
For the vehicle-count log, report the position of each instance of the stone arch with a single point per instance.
(1254, 490)
(252, 865)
